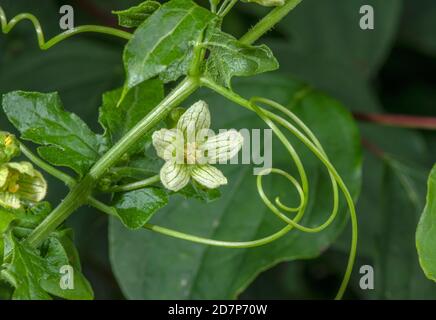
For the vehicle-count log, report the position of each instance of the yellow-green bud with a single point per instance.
(9, 147)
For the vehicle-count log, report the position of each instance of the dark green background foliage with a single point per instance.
(390, 69)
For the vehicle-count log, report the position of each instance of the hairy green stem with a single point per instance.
(267, 22)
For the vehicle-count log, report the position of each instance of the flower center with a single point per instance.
(13, 185)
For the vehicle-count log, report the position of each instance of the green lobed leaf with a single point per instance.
(33, 216)
(162, 45)
(134, 16)
(135, 208)
(425, 234)
(26, 268)
(37, 277)
(118, 120)
(149, 265)
(66, 139)
(61, 253)
(229, 57)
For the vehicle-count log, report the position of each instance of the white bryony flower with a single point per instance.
(191, 148)
(20, 182)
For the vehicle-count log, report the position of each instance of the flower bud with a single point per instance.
(9, 147)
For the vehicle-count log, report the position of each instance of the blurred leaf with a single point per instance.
(148, 265)
(418, 25)
(135, 208)
(161, 45)
(336, 37)
(391, 201)
(399, 275)
(229, 57)
(425, 234)
(134, 16)
(326, 47)
(66, 139)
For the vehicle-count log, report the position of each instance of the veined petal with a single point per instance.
(165, 142)
(32, 188)
(208, 176)
(9, 200)
(196, 118)
(22, 167)
(4, 174)
(174, 176)
(222, 147)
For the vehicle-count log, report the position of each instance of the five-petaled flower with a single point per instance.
(191, 148)
(20, 183)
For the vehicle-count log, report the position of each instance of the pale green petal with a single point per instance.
(196, 118)
(4, 173)
(22, 167)
(174, 176)
(222, 147)
(166, 141)
(32, 188)
(208, 176)
(9, 200)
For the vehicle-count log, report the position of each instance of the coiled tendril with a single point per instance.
(298, 129)
(43, 44)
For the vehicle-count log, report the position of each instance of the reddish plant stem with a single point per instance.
(399, 120)
(371, 147)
